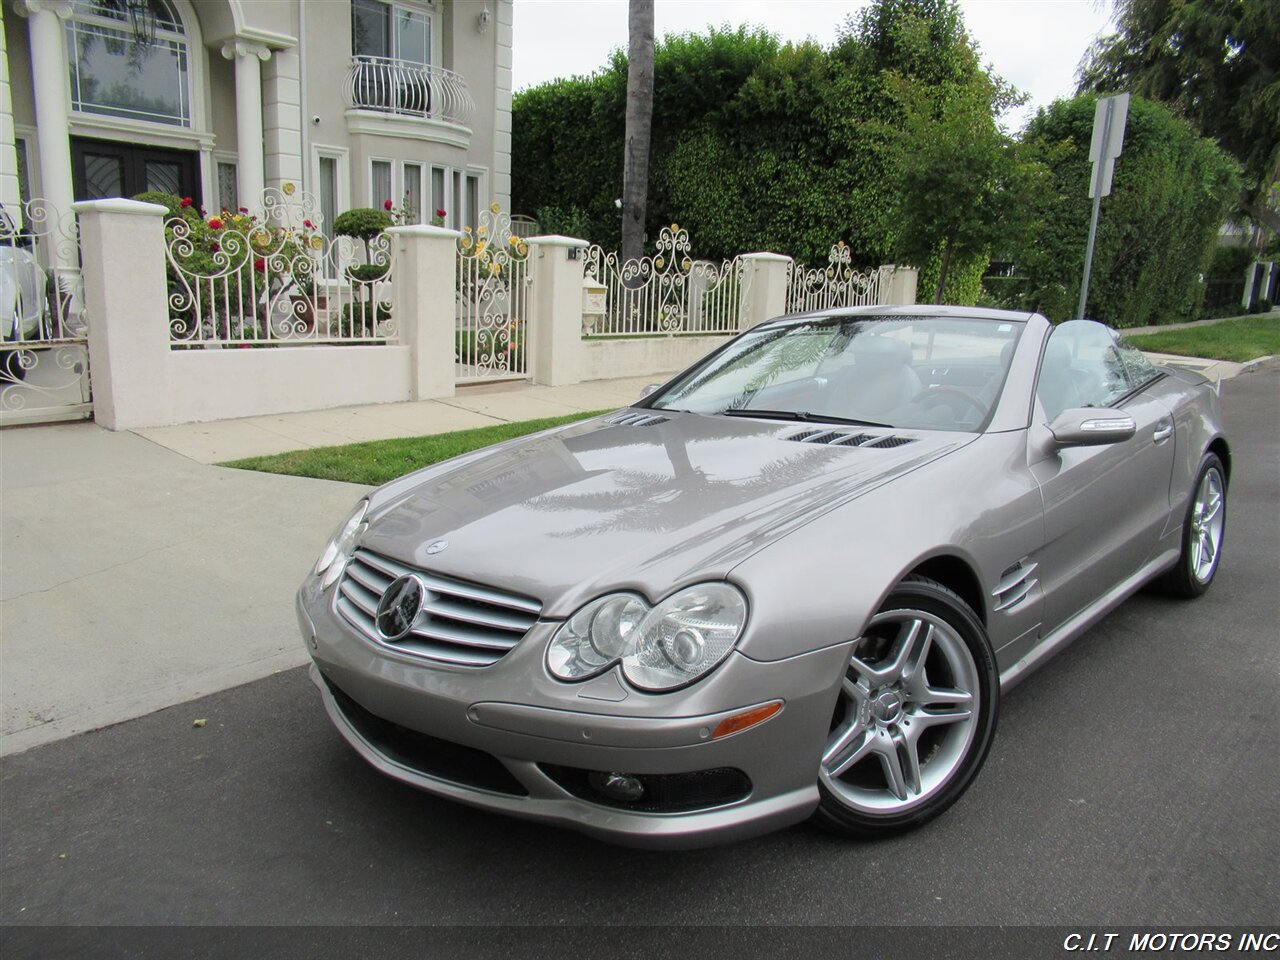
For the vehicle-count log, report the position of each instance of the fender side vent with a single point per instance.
(1015, 585)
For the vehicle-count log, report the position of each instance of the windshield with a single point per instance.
(930, 373)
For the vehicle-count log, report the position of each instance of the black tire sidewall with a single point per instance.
(1186, 583)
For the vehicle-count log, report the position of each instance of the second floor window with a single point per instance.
(390, 30)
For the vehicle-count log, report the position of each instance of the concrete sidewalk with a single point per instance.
(133, 579)
(477, 406)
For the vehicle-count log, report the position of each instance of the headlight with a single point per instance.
(660, 648)
(342, 545)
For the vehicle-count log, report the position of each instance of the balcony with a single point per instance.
(410, 90)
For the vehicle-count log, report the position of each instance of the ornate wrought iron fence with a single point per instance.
(837, 284)
(44, 359)
(668, 293)
(491, 339)
(239, 280)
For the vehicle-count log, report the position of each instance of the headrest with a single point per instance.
(876, 351)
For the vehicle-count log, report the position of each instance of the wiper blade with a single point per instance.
(801, 416)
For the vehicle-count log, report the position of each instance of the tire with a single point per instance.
(1193, 574)
(915, 717)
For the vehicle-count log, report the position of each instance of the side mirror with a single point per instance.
(1091, 427)
(648, 389)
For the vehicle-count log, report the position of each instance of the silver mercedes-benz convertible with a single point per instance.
(791, 582)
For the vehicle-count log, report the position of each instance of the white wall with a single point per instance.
(605, 359)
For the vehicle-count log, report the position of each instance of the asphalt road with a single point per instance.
(1133, 780)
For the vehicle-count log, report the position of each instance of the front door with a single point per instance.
(1105, 506)
(106, 168)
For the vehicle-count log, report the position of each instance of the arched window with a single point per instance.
(114, 73)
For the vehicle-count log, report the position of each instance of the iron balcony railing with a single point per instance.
(409, 89)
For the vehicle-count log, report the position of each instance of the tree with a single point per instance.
(635, 175)
(1158, 227)
(1217, 63)
(963, 186)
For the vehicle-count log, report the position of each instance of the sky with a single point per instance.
(1034, 44)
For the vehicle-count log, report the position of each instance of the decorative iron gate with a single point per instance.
(837, 284)
(668, 293)
(491, 340)
(44, 373)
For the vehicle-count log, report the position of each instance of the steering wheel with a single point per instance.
(948, 390)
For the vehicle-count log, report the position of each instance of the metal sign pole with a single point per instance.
(1108, 141)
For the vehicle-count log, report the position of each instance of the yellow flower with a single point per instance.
(288, 188)
(494, 206)
(659, 262)
(317, 242)
(686, 263)
(522, 248)
(482, 231)
(480, 247)
(494, 268)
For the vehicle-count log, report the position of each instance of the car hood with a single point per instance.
(565, 515)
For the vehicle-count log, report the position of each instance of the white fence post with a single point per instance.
(902, 284)
(126, 301)
(425, 289)
(764, 288)
(556, 266)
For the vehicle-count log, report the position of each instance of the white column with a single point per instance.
(901, 288)
(52, 96)
(764, 288)
(127, 297)
(282, 119)
(555, 309)
(248, 58)
(424, 283)
(9, 192)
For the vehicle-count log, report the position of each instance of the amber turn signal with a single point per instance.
(746, 719)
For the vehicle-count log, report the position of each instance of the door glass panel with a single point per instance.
(329, 206)
(413, 36)
(103, 177)
(473, 201)
(165, 176)
(437, 190)
(228, 189)
(381, 185)
(370, 29)
(413, 192)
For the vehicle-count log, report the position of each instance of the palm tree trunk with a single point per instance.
(635, 169)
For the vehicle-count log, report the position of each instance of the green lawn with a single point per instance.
(378, 461)
(1238, 340)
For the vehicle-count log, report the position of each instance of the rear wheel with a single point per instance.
(1203, 532)
(915, 716)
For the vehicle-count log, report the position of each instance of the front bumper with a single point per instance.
(500, 737)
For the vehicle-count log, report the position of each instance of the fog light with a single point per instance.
(617, 786)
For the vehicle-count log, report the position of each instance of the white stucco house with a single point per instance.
(354, 101)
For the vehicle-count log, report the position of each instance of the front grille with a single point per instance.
(460, 623)
(425, 754)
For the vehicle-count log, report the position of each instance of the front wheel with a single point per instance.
(1203, 532)
(915, 716)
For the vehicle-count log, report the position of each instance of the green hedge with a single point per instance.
(1157, 230)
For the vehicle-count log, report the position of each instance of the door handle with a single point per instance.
(1164, 430)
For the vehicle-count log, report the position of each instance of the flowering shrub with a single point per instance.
(228, 271)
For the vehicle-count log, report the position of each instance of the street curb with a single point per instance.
(1262, 363)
